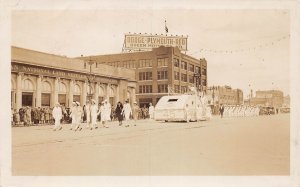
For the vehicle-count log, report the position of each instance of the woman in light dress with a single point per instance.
(127, 112)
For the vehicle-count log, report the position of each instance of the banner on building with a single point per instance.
(147, 42)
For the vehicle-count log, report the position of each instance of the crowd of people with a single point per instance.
(89, 114)
(239, 111)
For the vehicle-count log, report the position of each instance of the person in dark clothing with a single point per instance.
(221, 110)
(119, 113)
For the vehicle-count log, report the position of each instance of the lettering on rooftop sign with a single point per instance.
(139, 41)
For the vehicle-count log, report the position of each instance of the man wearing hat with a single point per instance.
(57, 115)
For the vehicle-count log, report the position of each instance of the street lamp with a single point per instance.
(90, 78)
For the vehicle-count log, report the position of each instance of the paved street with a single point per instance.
(228, 146)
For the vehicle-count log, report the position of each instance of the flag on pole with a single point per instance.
(166, 28)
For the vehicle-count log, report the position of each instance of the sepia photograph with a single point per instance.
(158, 91)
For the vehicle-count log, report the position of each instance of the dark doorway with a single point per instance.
(27, 99)
(45, 99)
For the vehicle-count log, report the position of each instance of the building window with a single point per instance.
(204, 82)
(183, 89)
(145, 76)
(162, 75)
(145, 63)
(162, 88)
(162, 62)
(191, 67)
(197, 69)
(145, 89)
(203, 71)
(176, 62)
(191, 79)
(176, 89)
(129, 64)
(183, 65)
(176, 75)
(183, 77)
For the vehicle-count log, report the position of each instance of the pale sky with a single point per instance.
(210, 34)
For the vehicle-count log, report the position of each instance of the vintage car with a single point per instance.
(180, 108)
(266, 110)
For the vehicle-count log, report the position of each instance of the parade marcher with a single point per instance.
(87, 113)
(78, 116)
(127, 112)
(208, 113)
(221, 110)
(73, 114)
(135, 112)
(57, 115)
(94, 114)
(103, 114)
(119, 112)
(151, 111)
(107, 110)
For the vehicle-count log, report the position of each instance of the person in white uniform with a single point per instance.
(57, 115)
(103, 114)
(88, 114)
(94, 114)
(107, 110)
(73, 111)
(151, 111)
(78, 116)
(127, 112)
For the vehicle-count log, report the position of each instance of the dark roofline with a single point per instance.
(42, 52)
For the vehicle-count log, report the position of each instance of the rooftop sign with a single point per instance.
(147, 42)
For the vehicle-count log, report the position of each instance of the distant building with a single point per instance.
(273, 98)
(159, 70)
(224, 95)
(40, 79)
(286, 101)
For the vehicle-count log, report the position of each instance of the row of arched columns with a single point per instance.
(37, 91)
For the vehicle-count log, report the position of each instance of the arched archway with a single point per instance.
(27, 92)
(76, 93)
(62, 93)
(111, 95)
(101, 94)
(46, 93)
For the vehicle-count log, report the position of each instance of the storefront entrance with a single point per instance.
(76, 98)
(46, 99)
(27, 99)
(62, 99)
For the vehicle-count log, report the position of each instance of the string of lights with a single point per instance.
(242, 50)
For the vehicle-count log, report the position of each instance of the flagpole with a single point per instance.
(166, 27)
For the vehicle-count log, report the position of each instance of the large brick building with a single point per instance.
(158, 70)
(42, 79)
(224, 95)
(273, 98)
